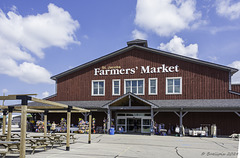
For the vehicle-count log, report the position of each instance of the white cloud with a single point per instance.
(4, 91)
(176, 45)
(215, 30)
(22, 39)
(45, 94)
(166, 17)
(236, 76)
(14, 8)
(136, 34)
(228, 9)
(86, 37)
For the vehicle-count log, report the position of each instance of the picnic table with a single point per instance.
(34, 143)
(64, 135)
(3, 137)
(13, 135)
(8, 147)
(52, 139)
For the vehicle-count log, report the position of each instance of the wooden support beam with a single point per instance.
(58, 104)
(9, 97)
(68, 129)
(181, 123)
(3, 107)
(9, 125)
(152, 121)
(4, 122)
(90, 128)
(108, 120)
(44, 107)
(184, 113)
(21, 94)
(80, 109)
(30, 111)
(45, 123)
(62, 111)
(237, 113)
(176, 113)
(23, 131)
(49, 102)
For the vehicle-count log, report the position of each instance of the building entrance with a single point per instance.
(133, 122)
(134, 125)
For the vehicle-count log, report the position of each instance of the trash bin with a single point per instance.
(111, 131)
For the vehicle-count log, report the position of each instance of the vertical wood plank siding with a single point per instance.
(198, 81)
(236, 88)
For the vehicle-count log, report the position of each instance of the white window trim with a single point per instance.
(103, 88)
(133, 80)
(173, 87)
(149, 88)
(114, 87)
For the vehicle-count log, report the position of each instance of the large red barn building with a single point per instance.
(137, 85)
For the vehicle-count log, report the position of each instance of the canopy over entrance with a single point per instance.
(134, 123)
(130, 101)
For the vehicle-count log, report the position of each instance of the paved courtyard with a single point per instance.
(142, 146)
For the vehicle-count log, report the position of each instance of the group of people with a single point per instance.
(38, 126)
(51, 126)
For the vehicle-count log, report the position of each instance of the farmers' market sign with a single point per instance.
(118, 70)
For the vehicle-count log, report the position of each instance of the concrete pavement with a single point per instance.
(142, 146)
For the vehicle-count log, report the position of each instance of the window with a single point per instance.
(116, 87)
(174, 85)
(135, 86)
(98, 87)
(152, 88)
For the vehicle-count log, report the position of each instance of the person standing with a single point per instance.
(53, 127)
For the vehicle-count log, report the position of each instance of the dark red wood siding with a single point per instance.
(236, 88)
(198, 81)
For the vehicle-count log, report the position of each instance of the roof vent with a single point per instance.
(138, 42)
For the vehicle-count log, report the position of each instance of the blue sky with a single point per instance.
(41, 38)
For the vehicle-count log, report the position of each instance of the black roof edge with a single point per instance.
(93, 62)
(54, 95)
(120, 51)
(193, 60)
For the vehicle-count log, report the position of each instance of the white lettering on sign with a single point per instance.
(117, 70)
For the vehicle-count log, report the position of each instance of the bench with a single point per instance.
(35, 146)
(3, 152)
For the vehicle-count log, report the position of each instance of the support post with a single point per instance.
(23, 131)
(45, 122)
(109, 120)
(129, 101)
(23, 124)
(68, 127)
(85, 114)
(237, 113)
(152, 121)
(10, 110)
(42, 116)
(180, 124)
(4, 122)
(90, 128)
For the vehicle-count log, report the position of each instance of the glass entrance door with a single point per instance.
(146, 125)
(133, 122)
(134, 125)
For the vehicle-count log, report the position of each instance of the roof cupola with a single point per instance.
(138, 42)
